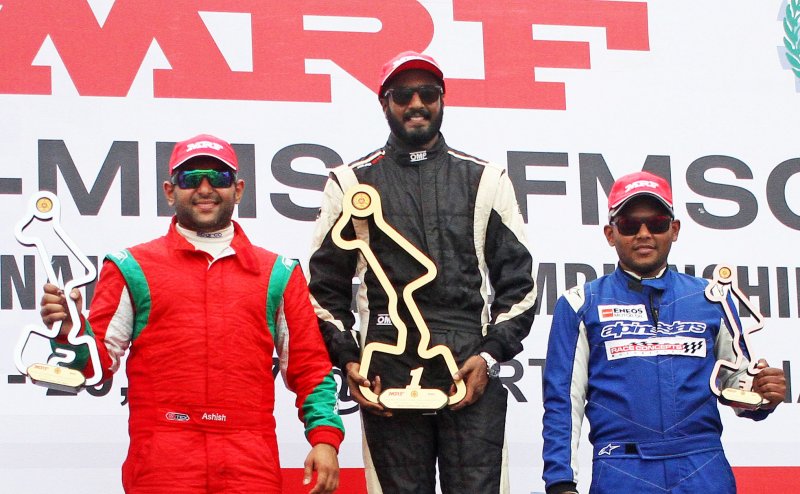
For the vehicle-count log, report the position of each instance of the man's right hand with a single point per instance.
(54, 307)
(355, 380)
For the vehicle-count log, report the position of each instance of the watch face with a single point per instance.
(494, 370)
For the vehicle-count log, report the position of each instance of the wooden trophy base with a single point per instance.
(55, 377)
(739, 398)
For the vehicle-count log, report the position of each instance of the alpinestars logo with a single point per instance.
(622, 328)
(608, 449)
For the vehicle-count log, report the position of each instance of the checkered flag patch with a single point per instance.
(692, 347)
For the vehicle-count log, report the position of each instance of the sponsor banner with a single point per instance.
(651, 347)
(95, 93)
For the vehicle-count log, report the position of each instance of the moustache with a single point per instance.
(420, 112)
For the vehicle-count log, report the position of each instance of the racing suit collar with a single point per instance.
(240, 244)
(406, 155)
(637, 283)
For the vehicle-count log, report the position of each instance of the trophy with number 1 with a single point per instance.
(44, 206)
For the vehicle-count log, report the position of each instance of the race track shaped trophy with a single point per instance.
(725, 283)
(361, 201)
(45, 206)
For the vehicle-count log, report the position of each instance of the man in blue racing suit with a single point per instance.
(634, 351)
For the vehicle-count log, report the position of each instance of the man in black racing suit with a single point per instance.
(461, 212)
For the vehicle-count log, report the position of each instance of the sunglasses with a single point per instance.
(628, 226)
(191, 179)
(403, 95)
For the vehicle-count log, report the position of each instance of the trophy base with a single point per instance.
(413, 398)
(739, 398)
(55, 377)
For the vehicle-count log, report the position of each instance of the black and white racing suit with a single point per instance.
(462, 213)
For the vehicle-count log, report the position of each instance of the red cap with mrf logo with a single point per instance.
(637, 184)
(408, 60)
(203, 145)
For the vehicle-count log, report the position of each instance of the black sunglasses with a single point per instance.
(628, 226)
(191, 179)
(403, 95)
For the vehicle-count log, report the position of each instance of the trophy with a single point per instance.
(361, 201)
(724, 282)
(44, 206)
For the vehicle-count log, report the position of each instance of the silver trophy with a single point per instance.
(45, 206)
(724, 283)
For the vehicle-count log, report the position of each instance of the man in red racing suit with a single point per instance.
(202, 311)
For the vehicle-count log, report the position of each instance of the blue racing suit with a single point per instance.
(636, 356)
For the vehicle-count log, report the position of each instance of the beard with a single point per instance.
(200, 222)
(418, 136)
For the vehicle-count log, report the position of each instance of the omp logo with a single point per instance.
(383, 320)
(625, 312)
(102, 49)
(177, 417)
(418, 156)
(203, 145)
(621, 328)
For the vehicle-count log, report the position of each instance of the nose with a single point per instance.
(416, 101)
(643, 231)
(205, 186)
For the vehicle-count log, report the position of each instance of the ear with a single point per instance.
(169, 192)
(608, 231)
(384, 104)
(676, 228)
(239, 191)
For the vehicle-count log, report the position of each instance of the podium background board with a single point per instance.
(566, 95)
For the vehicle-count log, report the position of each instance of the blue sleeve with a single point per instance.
(565, 381)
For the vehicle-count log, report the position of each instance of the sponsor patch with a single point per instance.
(620, 329)
(120, 256)
(622, 312)
(177, 417)
(383, 320)
(418, 156)
(651, 347)
(608, 449)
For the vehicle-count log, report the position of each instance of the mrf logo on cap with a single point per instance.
(408, 60)
(203, 145)
(638, 184)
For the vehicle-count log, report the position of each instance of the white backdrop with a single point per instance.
(561, 92)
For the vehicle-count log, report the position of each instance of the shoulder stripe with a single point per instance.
(137, 286)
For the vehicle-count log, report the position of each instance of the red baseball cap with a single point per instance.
(408, 60)
(203, 145)
(637, 184)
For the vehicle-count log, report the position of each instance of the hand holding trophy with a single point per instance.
(44, 206)
(723, 284)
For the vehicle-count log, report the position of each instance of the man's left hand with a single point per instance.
(323, 460)
(474, 375)
(770, 383)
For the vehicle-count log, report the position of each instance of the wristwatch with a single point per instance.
(492, 367)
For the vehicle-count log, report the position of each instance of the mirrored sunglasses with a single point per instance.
(403, 95)
(628, 226)
(191, 179)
